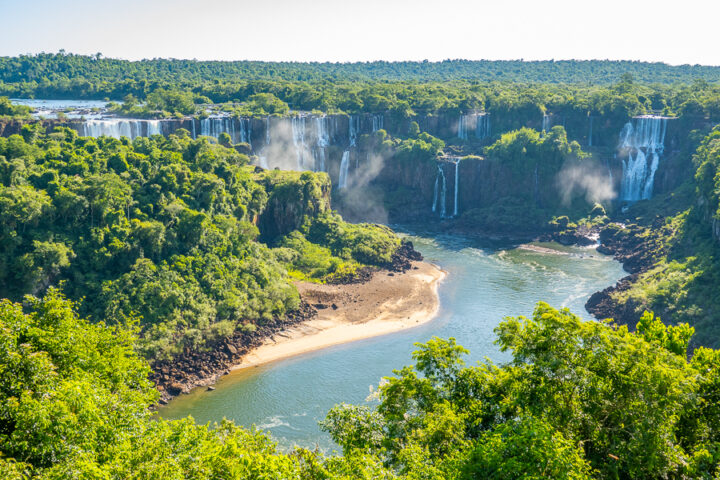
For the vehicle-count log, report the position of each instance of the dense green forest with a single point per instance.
(166, 230)
(10, 111)
(67, 67)
(578, 400)
(152, 87)
(120, 253)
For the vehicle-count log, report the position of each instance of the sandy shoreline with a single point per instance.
(388, 303)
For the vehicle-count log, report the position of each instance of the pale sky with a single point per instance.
(677, 32)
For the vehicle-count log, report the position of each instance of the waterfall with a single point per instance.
(323, 140)
(353, 129)
(245, 131)
(267, 131)
(643, 137)
(344, 164)
(216, 125)
(482, 126)
(590, 132)
(298, 132)
(457, 186)
(192, 124)
(377, 122)
(463, 127)
(440, 191)
(120, 127)
(546, 122)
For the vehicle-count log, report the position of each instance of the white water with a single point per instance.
(298, 133)
(590, 132)
(323, 141)
(245, 133)
(214, 126)
(353, 129)
(457, 186)
(463, 126)
(377, 122)
(344, 165)
(546, 123)
(642, 143)
(118, 127)
(482, 126)
(440, 191)
(267, 131)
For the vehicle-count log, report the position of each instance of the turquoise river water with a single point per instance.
(485, 283)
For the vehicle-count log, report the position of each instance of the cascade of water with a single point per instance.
(546, 122)
(267, 131)
(298, 131)
(245, 130)
(482, 126)
(153, 128)
(643, 137)
(344, 165)
(216, 125)
(457, 186)
(323, 140)
(440, 191)
(590, 132)
(117, 128)
(353, 129)
(462, 127)
(192, 126)
(377, 122)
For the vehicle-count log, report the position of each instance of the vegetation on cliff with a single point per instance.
(10, 111)
(676, 251)
(168, 230)
(578, 400)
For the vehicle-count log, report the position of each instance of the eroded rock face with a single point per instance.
(290, 202)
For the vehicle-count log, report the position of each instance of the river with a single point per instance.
(486, 282)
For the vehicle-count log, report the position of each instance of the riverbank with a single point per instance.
(384, 302)
(387, 303)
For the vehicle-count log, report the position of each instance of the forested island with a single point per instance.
(207, 209)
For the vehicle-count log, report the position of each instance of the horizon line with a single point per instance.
(345, 62)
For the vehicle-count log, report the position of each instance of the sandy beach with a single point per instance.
(389, 302)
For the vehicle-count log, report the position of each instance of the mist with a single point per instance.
(588, 180)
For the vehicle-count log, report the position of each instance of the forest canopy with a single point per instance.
(182, 234)
(578, 400)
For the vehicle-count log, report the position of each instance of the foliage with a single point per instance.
(10, 111)
(578, 400)
(507, 89)
(166, 229)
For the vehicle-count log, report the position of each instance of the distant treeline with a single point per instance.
(58, 67)
(165, 87)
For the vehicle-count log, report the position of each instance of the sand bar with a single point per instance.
(388, 303)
